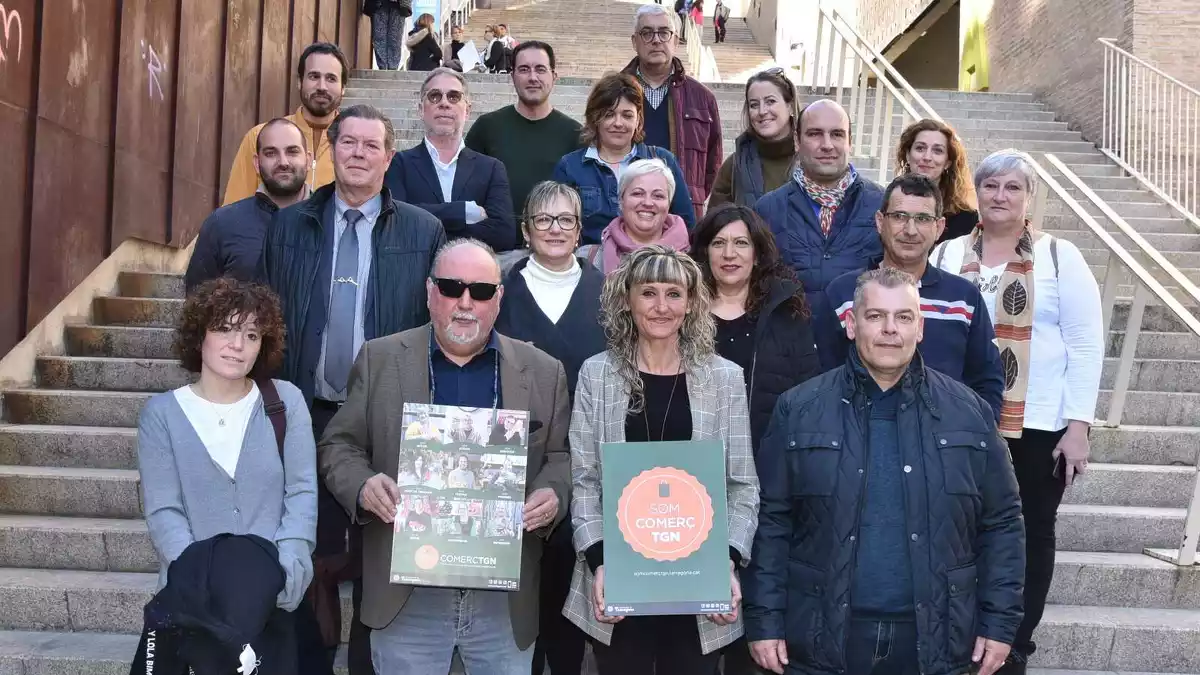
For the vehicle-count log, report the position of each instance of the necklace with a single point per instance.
(646, 412)
(217, 410)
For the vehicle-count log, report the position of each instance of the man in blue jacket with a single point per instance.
(824, 218)
(890, 539)
(959, 340)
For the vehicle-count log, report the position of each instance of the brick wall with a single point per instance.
(1164, 33)
(1050, 49)
(880, 21)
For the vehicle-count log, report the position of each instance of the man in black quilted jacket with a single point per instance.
(890, 539)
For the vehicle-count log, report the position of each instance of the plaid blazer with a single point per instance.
(717, 396)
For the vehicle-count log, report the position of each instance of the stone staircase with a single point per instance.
(76, 564)
(605, 42)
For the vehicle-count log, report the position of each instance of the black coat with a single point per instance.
(427, 55)
(298, 265)
(577, 335)
(230, 242)
(220, 597)
(967, 550)
(785, 355)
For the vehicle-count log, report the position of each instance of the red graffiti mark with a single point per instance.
(8, 19)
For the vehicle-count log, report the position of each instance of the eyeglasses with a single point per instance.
(661, 35)
(454, 96)
(453, 288)
(902, 218)
(543, 221)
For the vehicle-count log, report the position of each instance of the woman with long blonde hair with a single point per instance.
(934, 150)
(659, 380)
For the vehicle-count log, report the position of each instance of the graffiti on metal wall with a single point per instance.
(12, 32)
(154, 68)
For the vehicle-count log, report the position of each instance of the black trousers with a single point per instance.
(737, 660)
(1041, 493)
(875, 647)
(333, 533)
(719, 28)
(655, 645)
(560, 643)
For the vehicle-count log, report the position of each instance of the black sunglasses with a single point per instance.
(453, 288)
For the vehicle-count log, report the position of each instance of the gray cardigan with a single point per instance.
(188, 497)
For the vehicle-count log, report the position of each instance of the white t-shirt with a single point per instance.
(989, 283)
(220, 426)
(1066, 352)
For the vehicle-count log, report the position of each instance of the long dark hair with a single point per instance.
(768, 266)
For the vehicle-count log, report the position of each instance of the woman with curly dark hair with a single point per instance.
(934, 150)
(207, 452)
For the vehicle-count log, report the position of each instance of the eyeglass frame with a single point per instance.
(904, 218)
(466, 287)
(430, 95)
(554, 220)
(655, 34)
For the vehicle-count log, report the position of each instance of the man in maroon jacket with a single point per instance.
(681, 114)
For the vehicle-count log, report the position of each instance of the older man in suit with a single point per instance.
(417, 629)
(468, 191)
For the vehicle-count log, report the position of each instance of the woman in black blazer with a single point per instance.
(552, 300)
(424, 51)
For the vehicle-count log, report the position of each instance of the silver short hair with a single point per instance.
(442, 70)
(459, 243)
(646, 167)
(1007, 161)
(887, 277)
(647, 10)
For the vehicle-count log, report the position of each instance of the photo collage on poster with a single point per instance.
(462, 474)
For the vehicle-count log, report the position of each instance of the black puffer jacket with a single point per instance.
(967, 548)
(785, 355)
(298, 265)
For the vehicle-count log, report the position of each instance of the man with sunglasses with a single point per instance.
(457, 359)
(468, 191)
(349, 264)
(959, 339)
(681, 114)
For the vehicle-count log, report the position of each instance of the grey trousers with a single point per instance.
(387, 35)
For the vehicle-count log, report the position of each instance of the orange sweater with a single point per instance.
(244, 180)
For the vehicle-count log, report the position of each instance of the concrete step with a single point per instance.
(55, 491)
(1123, 580)
(66, 543)
(111, 374)
(131, 342)
(67, 407)
(1117, 529)
(1099, 256)
(1133, 485)
(150, 285)
(1170, 375)
(1084, 637)
(1154, 345)
(1154, 408)
(124, 311)
(1156, 317)
(1144, 226)
(74, 601)
(66, 653)
(1145, 445)
(69, 447)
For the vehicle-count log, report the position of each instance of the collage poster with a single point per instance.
(462, 495)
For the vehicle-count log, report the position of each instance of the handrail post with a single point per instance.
(1133, 328)
(886, 141)
(1108, 294)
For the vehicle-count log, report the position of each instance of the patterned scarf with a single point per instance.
(829, 198)
(1013, 323)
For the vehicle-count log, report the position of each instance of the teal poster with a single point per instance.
(666, 541)
(462, 498)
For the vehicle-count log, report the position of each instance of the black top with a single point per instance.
(474, 384)
(958, 224)
(230, 242)
(735, 341)
(667, 412)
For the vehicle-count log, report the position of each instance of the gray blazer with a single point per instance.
(717, 394)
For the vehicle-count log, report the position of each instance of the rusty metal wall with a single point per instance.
(120, 118)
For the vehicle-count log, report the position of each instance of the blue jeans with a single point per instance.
(882, 648)
(436, 621)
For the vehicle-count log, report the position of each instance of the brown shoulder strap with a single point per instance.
(275, 409)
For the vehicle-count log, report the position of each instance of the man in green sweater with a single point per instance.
(530, 136)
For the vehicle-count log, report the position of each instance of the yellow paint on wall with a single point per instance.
(973, 49)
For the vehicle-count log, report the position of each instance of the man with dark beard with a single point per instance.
(231, 239)
(322, 73)
(530, 136)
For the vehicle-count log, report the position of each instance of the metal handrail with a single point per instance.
(1146, 285)
(1150, 126)
(702, 64)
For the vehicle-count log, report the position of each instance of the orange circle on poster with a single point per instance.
(426, 557)
(665, 514)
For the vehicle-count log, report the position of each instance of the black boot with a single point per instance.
(1015, 664)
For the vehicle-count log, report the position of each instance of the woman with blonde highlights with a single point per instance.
(659, 380)
(934, 150)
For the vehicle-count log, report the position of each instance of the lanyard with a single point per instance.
(495, 374)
